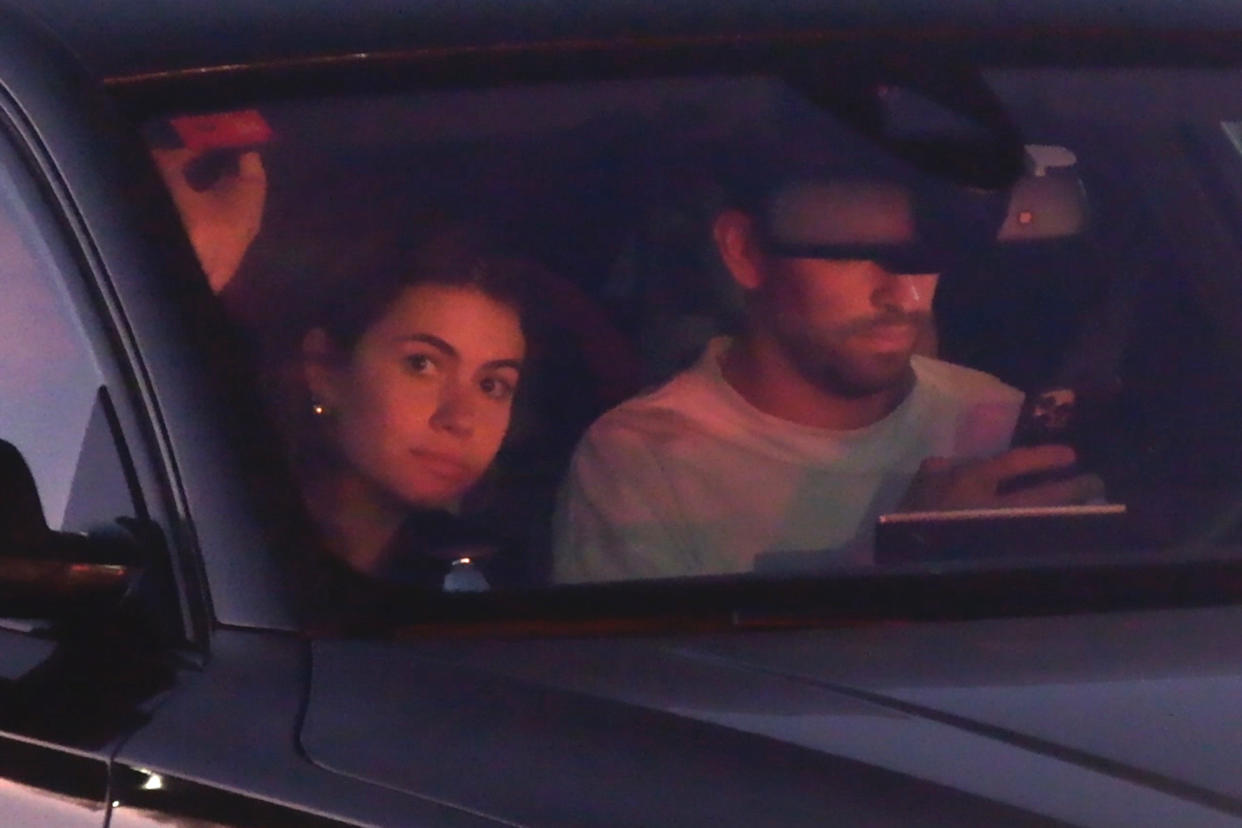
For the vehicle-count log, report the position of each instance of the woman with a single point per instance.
(405, 384)
(348, 272)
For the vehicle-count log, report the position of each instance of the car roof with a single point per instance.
(124, 38)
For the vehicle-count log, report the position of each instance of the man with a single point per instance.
(780, 448)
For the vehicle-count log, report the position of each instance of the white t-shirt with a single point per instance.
(691, 479)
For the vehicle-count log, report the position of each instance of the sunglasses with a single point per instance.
(907, 230)
(898, 258)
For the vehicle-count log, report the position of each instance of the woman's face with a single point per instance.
(420, 405)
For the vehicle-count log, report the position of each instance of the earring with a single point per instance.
(318, 409)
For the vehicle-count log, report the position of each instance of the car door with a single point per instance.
(75, 681)
(66, 696)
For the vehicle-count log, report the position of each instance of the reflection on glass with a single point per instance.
(833, 322)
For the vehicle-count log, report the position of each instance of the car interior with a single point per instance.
(611, 184)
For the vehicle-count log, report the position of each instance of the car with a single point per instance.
(179, 641)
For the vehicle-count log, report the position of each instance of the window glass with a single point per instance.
(49, 380)
(731, 325)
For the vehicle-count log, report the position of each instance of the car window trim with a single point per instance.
(723, 603)
(131, 409)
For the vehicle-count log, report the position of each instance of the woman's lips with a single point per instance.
(441, 465)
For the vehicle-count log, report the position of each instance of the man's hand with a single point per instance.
(222, 220)
(942, 484)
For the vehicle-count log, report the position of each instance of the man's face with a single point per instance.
(849, 326)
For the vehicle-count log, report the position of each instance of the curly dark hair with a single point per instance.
(356, 283)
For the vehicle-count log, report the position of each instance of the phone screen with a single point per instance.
(1048, 416)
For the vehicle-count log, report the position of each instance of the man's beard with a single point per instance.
(827, 359)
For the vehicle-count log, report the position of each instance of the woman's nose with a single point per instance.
(455, 412)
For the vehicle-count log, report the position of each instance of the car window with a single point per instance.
(734, 325)
(53, 407)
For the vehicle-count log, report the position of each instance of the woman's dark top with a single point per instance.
(419, 558)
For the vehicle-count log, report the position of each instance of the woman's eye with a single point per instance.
(420, 363)
(496, 388)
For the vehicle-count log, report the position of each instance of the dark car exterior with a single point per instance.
(1102, 695)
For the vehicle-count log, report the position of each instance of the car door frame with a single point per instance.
(111, 215)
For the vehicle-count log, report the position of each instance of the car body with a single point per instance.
(1092, 694)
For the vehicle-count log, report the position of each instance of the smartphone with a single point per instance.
(1050, 416)
(219, 138)
(243, 129)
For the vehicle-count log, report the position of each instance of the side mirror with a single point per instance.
(50, 574)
